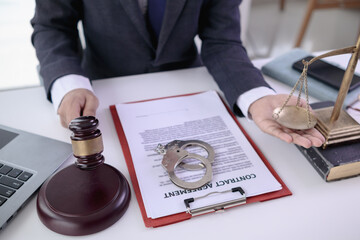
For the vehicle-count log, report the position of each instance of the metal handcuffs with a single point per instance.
(174, 153)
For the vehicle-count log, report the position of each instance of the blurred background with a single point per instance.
(269, 28)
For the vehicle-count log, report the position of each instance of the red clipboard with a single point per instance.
(158, 222)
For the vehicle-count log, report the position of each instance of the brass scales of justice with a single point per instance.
(334, 123)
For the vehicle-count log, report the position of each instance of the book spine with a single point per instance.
(320, 164)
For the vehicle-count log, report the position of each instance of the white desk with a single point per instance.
(316, 210)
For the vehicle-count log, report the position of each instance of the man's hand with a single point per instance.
(76, 103)
(261, 112)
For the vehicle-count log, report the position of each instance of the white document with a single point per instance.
(197, 117)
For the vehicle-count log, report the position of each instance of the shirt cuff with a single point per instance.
(65, 84)
(246, 99)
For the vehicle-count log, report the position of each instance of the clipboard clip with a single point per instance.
(219, 207)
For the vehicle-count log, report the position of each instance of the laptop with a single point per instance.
(26, 161)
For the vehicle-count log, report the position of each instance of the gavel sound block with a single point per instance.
(87, 196)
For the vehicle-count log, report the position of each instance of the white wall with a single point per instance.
(17, 55)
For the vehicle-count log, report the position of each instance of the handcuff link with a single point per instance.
(174, 153)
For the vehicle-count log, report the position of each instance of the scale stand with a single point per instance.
(334, 123)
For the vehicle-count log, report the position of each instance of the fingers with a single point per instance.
(316, 138)
(306, 139)
(91, 104)
(301, 140)
(76, 103)
(71, 113)
(276, 131)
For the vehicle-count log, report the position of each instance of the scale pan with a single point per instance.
(294, 117)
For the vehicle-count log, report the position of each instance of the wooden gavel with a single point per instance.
(88, 196)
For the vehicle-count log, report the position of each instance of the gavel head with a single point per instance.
(86, 142)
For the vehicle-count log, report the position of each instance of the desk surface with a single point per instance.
(316, 210)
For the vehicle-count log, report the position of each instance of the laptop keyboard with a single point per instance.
(11, 179)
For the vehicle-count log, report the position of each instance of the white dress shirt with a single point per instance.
(65, 84)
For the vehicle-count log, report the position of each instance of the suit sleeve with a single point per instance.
(222, 51)
(56, 40)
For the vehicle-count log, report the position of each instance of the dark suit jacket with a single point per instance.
(118, 42)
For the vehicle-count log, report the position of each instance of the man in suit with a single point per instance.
(125, 37)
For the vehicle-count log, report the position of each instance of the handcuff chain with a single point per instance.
(173, 155)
